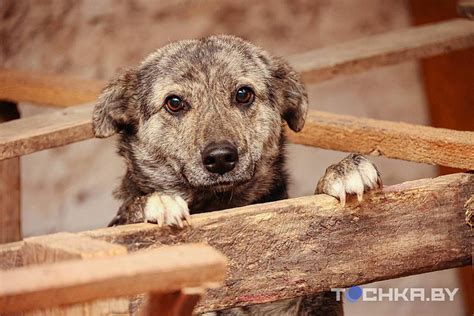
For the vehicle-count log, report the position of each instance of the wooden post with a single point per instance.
(448, 82)
(10, 225)
(180, 303)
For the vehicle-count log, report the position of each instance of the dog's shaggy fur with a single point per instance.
(166, 178)
(163, 151)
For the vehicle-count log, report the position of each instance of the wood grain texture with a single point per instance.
(10, 255)
(167, 269)
(325, 130)
(384, 49)
(307, 245)
(53, 90)
(437, 146)
(66, 246)
(10, 191)
(43, 131)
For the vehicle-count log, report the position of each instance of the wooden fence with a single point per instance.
(275, 250)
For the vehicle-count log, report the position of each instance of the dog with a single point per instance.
(201, 128)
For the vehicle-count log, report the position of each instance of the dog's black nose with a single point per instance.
(220, 157)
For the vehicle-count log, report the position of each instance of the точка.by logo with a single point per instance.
(371, 294)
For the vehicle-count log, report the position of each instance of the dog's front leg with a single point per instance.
(159, 208)
(355, 174)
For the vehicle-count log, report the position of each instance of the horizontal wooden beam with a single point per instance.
(436, 146)
(384, 49)
(310, 244)
(45, 89)
(44, 131)
(325, 130)
(162, 270)
(66, 246)
(315, 66)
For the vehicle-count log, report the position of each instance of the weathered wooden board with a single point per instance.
(167, 269)
(418, 143)
(43, 131)
(54, 90)
(66, 246)
(310, 244)
(325, 130)
(384, 49)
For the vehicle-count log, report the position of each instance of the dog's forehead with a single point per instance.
(221, 60)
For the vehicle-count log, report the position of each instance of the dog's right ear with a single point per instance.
(115, 108)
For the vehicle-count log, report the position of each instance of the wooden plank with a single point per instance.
(166, 269)
(398, 140)
(10, 198)
(384, 49)
(325, 130)
(43, 131)
(54, 90)
(66, 246)
(310, 244)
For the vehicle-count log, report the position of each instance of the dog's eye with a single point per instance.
(174, 104)
(244, 95)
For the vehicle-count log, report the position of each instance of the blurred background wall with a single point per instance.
(69, 188)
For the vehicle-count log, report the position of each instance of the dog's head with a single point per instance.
(204, 112)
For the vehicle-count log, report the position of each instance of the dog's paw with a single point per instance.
(166, 210)
(355, 174)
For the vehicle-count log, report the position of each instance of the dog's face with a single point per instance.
(206, 114)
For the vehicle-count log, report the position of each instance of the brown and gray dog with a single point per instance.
(201, 125)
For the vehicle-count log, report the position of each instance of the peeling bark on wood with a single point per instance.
(307, 245)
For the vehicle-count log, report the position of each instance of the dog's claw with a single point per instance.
(352, 175)
(166, 210)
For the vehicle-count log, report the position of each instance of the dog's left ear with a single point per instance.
(291, 94)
